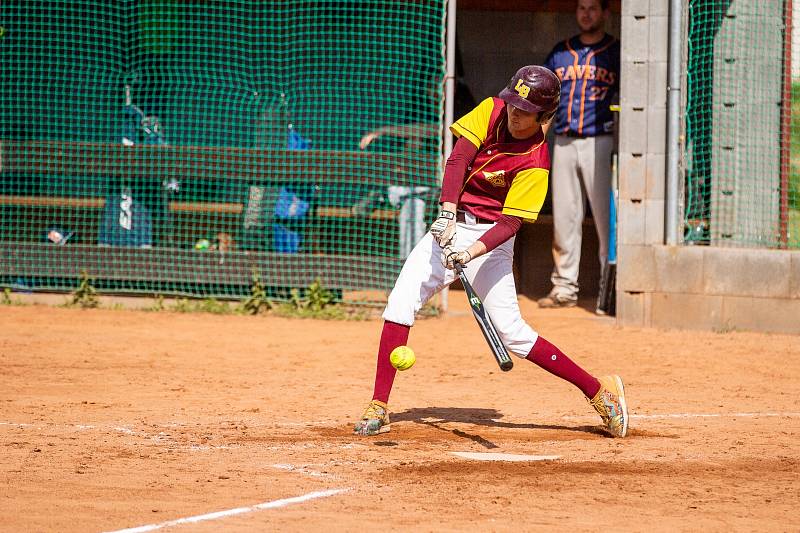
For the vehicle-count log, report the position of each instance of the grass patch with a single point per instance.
(6, 299)
(314, 302)
(794, 150)
(209, 305)
(289, 310)
(317, 302)
(158, 304)
(85, 296)
(793, 240)
(430, 310)
(793, 231)
(257, 302)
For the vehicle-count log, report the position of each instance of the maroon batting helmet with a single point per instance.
(534, 89)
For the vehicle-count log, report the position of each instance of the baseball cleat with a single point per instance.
(554, 301)
(609, 402)
(374, 421)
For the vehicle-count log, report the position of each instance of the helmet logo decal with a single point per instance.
(522, 89)
(498, 179)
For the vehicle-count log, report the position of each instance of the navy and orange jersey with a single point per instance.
(507, 176)
(589, 84)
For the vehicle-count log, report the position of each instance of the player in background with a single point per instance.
(588, 66)
(495, 178)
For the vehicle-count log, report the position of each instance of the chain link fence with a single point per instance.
(741, 125)
(187, 148)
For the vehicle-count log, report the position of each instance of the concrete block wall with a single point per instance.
(642, 141)
(642, 154)
(709, 288)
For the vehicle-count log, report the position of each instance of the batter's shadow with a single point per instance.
(434, 416)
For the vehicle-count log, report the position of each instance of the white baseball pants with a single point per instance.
(423, 275)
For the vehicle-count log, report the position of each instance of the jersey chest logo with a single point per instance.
(498, 179)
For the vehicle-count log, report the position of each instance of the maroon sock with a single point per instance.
(392, 336)
(547, 356)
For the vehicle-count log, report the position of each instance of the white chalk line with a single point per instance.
(124, 429)
(233, 512)
(663, 416)
(300, 470)
(160, 438)
(511, 457)
(717, 415)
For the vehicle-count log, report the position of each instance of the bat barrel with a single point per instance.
(487, 328)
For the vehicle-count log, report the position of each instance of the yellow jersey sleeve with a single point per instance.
(475, 124)
(526, 194)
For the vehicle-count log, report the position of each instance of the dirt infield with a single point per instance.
(113, 419)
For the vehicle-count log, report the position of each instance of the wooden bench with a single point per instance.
(211, 208)
(97, 161)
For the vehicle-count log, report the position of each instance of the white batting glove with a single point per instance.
(443, 228)
(450, 257)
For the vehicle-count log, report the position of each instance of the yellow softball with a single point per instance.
(402, 358)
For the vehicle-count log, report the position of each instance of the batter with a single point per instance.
(495, 178)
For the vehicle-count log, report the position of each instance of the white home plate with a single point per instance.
(505, 456)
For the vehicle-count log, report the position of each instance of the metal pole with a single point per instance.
(449, 96)
(786, 122)
(450, 78)
(672, 211)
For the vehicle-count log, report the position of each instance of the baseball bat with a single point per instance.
(607, 295)
(487, 328)
(606, 298)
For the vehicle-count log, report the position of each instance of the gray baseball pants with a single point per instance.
(581, 170)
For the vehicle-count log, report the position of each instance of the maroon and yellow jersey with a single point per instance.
(507, 176)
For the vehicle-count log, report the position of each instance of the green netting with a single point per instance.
(179, 147)
(740, 188)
